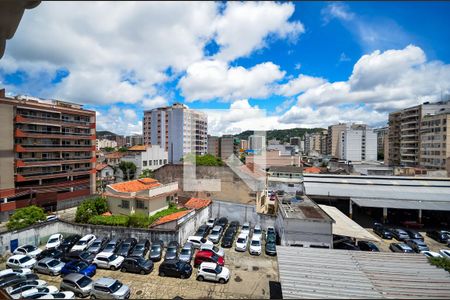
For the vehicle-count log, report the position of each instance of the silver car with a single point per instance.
(49, 266)
(107, 288)
(187, 252)
(216, 234)
(80, 284)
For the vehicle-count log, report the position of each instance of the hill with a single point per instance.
(105, 133)
(280, 134)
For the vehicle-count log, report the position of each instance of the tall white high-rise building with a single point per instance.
(178, 129)
(257, 142)
(358, 143)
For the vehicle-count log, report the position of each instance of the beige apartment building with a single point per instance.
(334, 139)
(213, 145)
(435, 141)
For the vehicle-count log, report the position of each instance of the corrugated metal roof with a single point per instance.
(328, 273)
(404, 204)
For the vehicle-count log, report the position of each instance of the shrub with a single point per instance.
(440, 262)
(172, 209)
(109, 220)
(139, 220)
(24, 217)
(89, 208)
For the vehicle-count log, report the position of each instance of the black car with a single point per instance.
(399, 234)
(126, 247)
(202, 231)
(14, 278)
(413, 234)
(400, 247)
(53, 253)
(141, 248)
(98, 245)
(222, 222)
(346, 245)
(175, 268)
(441, 236)
(79, 255)
(156, 250)
(69, 242)
(234, 224)
(113, 245)
(382, 231)
(228, 238)
(172, 250)
(367, 246)
(137, 265)
(271, 248)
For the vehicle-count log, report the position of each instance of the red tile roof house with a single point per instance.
(145, 195)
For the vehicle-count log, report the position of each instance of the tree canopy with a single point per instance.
(89, 208)
(203, 160)
(128, 169)
(147, 174)
(24, 217)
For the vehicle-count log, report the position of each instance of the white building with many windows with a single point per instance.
(151, 158)
(358, 143)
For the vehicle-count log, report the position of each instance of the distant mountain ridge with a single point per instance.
(105, 133)
(280, 134)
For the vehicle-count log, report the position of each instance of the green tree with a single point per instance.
(108, 149)
(85, 211)
(101, 206)
(123, 149)
(203, 160)
(440, 262)
(128, 169)
(139, 220)
(147, 174)
(24, 217)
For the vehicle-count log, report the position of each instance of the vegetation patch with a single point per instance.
(110, 220)
(168, 211)
(90, 208)
(24, 217)
(440, 262)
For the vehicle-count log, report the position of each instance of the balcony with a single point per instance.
(52, 134)
(27, 119)
(53, 148)
(36, 162)
(55, 174)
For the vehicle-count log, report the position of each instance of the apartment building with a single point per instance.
(178, 129)
(314, 142)
(334, 139)
(213, 145)
(228, 146)
(257, 143)
(435, 140)
(404, 132)
(358, 143)
(147, 157)
(104, 143)
(47, 153)
(135, 139)
(382, 139)
(244, 144)
(295, 141)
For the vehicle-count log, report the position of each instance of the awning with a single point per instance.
(346, 226)
(403, 204)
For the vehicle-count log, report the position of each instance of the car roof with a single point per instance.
(73, 276)
(87, 236)
(246, 224)
(217, 227)
(242, 235)
(104, 254)
(55, 235)
(205, 253)
(105, 281)
(144, 241)
(18, 256)
(188, 245)
(257, 227)
(47, 259)
(208, 265)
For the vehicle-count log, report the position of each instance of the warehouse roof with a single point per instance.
(402, 203)
(328, 273)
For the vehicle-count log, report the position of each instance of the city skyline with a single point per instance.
(313, 65)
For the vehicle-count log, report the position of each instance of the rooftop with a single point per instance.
(138, 148)
(135, 185)
(314, 170)
(197, 203)
(286, 169)
(114, 155)
(305, 209)
(171, 217)
(100, 166)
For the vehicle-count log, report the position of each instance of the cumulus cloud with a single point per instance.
(212, 79)
(300, 84)
(336, 10)
(120, 121)
(157, 101)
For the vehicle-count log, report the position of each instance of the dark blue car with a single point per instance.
(78, 266)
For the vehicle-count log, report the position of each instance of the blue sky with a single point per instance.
(302, 64)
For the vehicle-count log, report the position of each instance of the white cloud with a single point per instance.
(336, 10)
(300, 84)
(119, 121)
(157, 101)
(211, 79)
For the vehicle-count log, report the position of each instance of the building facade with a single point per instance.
(358, 143)
(257, 143)
(213, 145)
(47, 153)
(152, 158)
(435, 141)
(244, 144)
(178, 129)
(228, 146)
(382, 140)
(334, 139)
(104, 143)
(133, 140)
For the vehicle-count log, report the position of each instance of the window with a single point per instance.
(150, 162)
(160, 161)
(155, 162)
(144, 163)
(165, 161)
(125, 204)
(139, 204)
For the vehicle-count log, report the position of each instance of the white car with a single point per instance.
(445, 253)
(56, 295)
(84, 242)
(29, 250)
(241, 243)
(217, 250)
(210, 222)
(430, 254)
(257, 233)
(213, 272)
(54, 241)
(199, 241)
(20, 261)
(108, 260)
(216, 234)
(245, 229)
(28, 290)
(23, 271)
(255, 247)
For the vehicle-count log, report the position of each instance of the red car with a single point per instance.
(208, 256)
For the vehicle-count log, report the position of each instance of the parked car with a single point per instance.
(69, 242)
(417, 245)
(60, 295)
(18, 285)
(112, 246)
(109, 288)
(217, 250)
(399, 234)
(20, 261)
(367, 246)
(79, 266)
(10, 272)
(98, 245)
(54, 241)
(382, 231)
(13, 278)
(175, 268)
(413, 234)
(257, 233)
(187, 252)
(270, 230)
(241, 242)
(49, 266)
(172, 250)
(80, 284)
(211, 222)
(198, 241)
(235, 225)
(84, 242)
(445, 253)
(29, 250)
(271, 248)
(228, 237)
(345, 245)
(222, 222)
(255, 247)
(79, 255)
(28, 290)
(208, 256)
(441, 236)
(202, 231)
(126, 247)
(430, 254)
(216, 234)
(141, 249)
(108, 260)
(156, 250)
(53, 253)
(137, 264)
(213, 272)
(400, 247)
(245, 229)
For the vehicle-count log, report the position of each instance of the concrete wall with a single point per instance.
(189, 226)
(6, 147)
(153, 205)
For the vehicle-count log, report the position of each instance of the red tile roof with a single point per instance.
(114, 155)
(138, 148)
(197, 203)
(171, 217)
(313, 170)
(100, 166)
(135, 185)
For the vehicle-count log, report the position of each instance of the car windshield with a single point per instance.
(218, 269)
(141, 261)
(29, 248)
(112, 257)
(84, 281)
(109, 247)
(185, 251)
(215, 249)
(244, 227)
(84, 255)
(53, 263)
(59, 296)
(171, 250)
(81, 242)
(255, 243)
(24, 259)
(241, 240)
(215, 231)
(139, 247)
(257, 231)
(214, 257)
(125, 246)
(81, 265)
(96, 244)
(156, 248)
(115, 286)
(54, 240)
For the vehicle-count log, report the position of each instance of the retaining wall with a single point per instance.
(241, 212)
